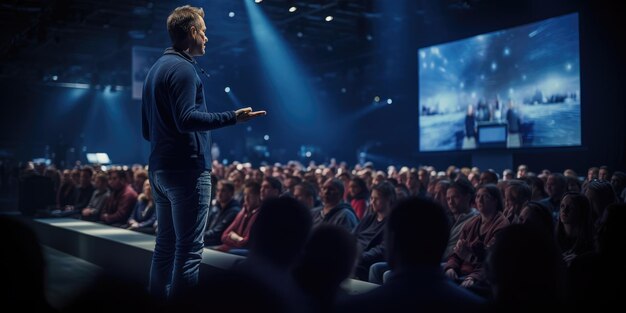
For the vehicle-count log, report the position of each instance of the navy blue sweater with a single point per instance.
(174, 115)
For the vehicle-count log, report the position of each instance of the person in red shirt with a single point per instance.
(237, 235)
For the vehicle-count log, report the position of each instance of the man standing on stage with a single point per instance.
(176, 121)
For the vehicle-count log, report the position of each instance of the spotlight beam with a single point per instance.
(285, 21)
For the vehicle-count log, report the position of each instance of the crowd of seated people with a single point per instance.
(118, 196)
(358, 206)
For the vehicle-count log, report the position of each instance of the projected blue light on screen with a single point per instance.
(527, 77)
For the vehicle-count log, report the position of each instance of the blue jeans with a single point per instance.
(379, 272)
(182, 201)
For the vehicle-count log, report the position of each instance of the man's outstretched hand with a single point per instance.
(245, 114)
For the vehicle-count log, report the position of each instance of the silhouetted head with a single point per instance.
(417, 233)
(600, 194)
(329, 257)
(280, 231)
(22, 266)
(574, 209)
(525, 269)
(536, 215)
(611, 233)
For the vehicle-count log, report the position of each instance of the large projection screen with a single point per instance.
(526, 77)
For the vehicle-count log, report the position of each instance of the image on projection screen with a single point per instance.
(525, 80)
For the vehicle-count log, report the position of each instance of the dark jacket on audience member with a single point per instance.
(218, 220)
(341, 215)
(83, 195)
(369, 234)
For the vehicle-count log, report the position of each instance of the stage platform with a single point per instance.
(128, 253)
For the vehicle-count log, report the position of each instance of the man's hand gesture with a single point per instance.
(245, 114)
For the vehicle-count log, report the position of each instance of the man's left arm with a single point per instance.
(184, 94)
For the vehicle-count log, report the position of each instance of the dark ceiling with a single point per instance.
(75, 39)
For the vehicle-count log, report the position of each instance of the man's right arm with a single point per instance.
(186, 115)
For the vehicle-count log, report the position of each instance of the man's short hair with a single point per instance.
(254, 187)
(308, 189)
(463, 186)
(417, 232)
(121, 174)
(180, 21)
(275, 183)
(102, 176)
(227, 184)
(338, 184)
(387, 190)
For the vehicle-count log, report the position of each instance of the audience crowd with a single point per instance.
(455, 240)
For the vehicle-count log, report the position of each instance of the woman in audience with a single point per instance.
(439, 192)
(574, 231)
(516, 195)
(143, 217)
(466, 262)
